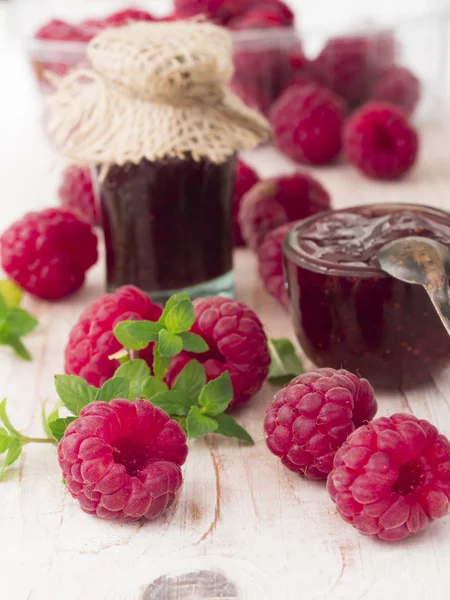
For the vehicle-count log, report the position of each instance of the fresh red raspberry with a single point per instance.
(311, 418)
(48, 252)
(392, 477)
(60, 31)
(92, 340)
(285, 15)
(246, 178)
(307, 121)
(127, 16)
(121, 460)
(279, 200)
(237, 344)
(260, 18)
(398, 86)
(263, 73)
(270, 263)
(348, 64)
(76, 193)
(380, 141)
(219, 11)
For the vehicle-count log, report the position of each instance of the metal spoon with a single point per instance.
(422, 261)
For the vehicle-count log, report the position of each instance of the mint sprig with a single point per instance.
(12, 441)
(285, 364)
(15, 322)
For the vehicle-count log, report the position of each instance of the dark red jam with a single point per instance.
(168, 224)
(347, 312)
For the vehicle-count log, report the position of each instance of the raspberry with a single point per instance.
(259, 18)
(307, 122)
(60, 31)
(348, 64)
(279, 200)
(397, 86)
(270, 263)
(380, 141)
(310, 419)
(121, 460)
(392, 477)
(246, 178)
(76, 193)
(220, 11)
(48, 252)
(92, 340)
(237, 344)
(126, 16)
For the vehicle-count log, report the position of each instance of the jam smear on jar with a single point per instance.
(168, 224)
(347, 312)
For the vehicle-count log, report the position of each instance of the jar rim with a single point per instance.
(293, 251)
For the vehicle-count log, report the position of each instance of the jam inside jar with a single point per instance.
(168, 226)
(348, 313)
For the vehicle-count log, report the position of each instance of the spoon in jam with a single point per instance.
(421, 261)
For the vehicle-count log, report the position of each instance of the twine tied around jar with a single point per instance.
(156, 90)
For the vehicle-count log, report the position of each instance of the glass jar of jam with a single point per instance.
(157, 120)
(347, 312)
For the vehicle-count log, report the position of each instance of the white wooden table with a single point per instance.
(243, 526)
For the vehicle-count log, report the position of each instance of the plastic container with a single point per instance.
(267, 60)
(346, 311)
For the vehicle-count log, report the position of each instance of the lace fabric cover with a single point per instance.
(156, 90)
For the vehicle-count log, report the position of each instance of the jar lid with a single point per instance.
(155, 90)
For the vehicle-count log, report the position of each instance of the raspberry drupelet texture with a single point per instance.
(92, 340)
(279, 200)
(237, 344)
(310, 419)
(121, 460)
(76, 193)
(380, 141)
(270, 263)
(398, 86)
(48, 252)
(246, 178)
(307, 122)
(392, 477)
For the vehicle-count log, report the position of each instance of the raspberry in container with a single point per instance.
(156, 120)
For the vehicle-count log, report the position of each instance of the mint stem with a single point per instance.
(32, 440)
(133, 354)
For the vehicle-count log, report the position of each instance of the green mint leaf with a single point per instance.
(230, 428)
(14, 451)
(171, 302)
(191, 380)
(126, 339)
(161, 364)
(169, 344)
(152, 386)
(181, 317)
(74, 392)
(172, 402)
(135, 371)
(216, 395)
(182, 421)
(14, 342)
(285, 364)
(47, 419)
(194, 343)
(19, 322)
(199, 424)
(59, 426)
(117, 387)
(11, 293)
(5, 440)
(143, 331)
(3, 307)
(6, 422)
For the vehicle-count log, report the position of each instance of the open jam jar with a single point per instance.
(167, 226)
(346, 311)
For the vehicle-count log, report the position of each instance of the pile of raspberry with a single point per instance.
(389, 477)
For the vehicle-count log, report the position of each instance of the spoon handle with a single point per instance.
(441, 302)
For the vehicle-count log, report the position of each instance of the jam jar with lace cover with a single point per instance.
(347, 312)
(158, 123)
